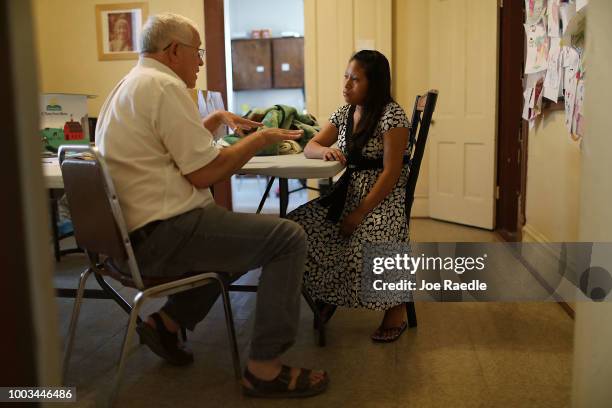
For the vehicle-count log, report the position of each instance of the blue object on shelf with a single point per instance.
(64, 227)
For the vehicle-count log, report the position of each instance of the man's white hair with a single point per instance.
(161, 29)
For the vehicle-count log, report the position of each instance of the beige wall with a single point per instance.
(411, 74)
(593, 330)
(553, 182)
(67, 46)
(333, 31)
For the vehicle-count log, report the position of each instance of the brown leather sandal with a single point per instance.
(164, 343)
(279, 387)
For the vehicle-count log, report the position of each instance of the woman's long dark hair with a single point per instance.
(378, 73)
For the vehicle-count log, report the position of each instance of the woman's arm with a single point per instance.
(394, 145)
(319, 146)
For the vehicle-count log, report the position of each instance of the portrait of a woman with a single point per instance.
(120, 32)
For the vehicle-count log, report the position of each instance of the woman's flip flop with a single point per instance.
(395, 333)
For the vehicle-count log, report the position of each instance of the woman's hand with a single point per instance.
(237, 123)
(333, 154)
(351, 222)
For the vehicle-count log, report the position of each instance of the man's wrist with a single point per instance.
(265, 137)
(218, 117)
(213, 120)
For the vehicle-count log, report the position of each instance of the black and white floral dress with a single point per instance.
(334, 263)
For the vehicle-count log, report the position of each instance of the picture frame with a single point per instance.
(118, 29)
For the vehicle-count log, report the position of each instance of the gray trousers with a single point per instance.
(213, 239)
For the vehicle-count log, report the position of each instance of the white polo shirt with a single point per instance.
(150, 134)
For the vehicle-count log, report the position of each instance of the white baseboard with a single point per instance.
(420, 207)
(531, 234)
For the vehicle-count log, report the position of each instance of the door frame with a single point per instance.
(214, 42)
(26, 288)
(513, 130)
(512, 133)
(15, 291)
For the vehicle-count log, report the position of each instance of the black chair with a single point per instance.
(101, 232)
(423, 110)
(422, 113)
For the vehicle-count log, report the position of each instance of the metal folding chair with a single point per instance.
(101, 232)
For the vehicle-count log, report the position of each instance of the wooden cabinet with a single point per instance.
(251, 64)
(288, 61)
(268, 63)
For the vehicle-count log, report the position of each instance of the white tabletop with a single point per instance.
(291, 166)
(52, 173)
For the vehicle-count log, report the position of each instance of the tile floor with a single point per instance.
(460, 355)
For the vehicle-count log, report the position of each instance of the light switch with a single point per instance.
(260, 68)
(365, 44)
(285, 67)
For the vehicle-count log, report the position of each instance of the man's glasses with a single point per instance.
(201, 51)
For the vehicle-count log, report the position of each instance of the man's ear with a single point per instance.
(173, 50)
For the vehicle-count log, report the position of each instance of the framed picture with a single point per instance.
(119, 26)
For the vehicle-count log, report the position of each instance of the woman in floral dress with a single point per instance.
(367, 205)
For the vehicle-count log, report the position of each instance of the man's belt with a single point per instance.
(139, 235)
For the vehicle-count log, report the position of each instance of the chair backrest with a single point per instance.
(422, 113)
(99, 226)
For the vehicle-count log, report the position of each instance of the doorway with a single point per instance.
(512, 131)
(258, 63)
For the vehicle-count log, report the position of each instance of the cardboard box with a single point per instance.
(63, 120)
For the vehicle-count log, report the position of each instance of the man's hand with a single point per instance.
(273, 135)
(351, 222)
(237, 123)
(231, 159)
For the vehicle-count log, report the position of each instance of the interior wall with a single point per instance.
(333, 31)
(278, 16)
(552, 206)
(411, 75)
(67, 46)
(372, 26)
(593, 330)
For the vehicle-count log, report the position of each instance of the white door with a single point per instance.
(463, 38)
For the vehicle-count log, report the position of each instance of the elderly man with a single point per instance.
(162, 161)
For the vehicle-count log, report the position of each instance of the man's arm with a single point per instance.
(232, 158)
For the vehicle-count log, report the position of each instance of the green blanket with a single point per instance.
(284, 117)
